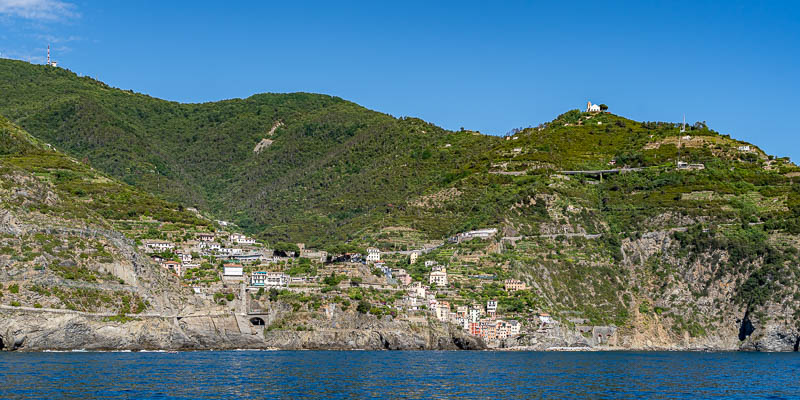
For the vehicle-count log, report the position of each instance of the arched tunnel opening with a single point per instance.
(256, 321)
(796, 344)
(2, 345)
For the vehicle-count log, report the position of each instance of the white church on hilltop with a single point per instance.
(592, 107)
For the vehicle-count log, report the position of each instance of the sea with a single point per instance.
(398, 374)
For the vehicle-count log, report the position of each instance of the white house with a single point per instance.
(474, 314)
(232, 272)
(744, 148)
(480, 234)
(158, 245)
(241, 239)
(373, 254)
(230, 250)
(491, 306)
(185, 257)
(213, 246)
(592, 107)
(412, 303)
(442, 310)
(417, 290)
(514, 328)
(439, 278)
(269, 279)
(430, 263)
(412, 258)
(205, 237)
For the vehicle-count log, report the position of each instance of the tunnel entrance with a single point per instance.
(796, 343)
(2, 345)
(256, 321)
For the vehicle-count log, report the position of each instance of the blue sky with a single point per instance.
(488, 67)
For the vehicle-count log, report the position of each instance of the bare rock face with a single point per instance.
(29, 331)
(556, 338)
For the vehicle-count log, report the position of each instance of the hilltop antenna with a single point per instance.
(48, 54)
(680, 136)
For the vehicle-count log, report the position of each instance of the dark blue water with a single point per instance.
(407, 374)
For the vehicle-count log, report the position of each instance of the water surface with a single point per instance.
(400, 374)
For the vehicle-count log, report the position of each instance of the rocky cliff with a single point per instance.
(37, 330)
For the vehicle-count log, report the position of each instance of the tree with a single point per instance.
(363, 307)
(603, 107)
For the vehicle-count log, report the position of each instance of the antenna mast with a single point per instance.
(48, 54)
(680, 137)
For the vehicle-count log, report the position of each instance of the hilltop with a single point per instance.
(658, 235)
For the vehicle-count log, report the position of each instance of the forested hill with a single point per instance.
(320, 169)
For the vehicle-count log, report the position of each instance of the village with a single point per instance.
(224, 266)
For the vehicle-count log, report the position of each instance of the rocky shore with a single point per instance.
(39, 331)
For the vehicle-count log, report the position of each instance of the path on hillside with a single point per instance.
(105, 315)
(601, 171)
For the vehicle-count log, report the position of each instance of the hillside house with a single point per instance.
(188, 265)
(501, 329)
(417, 290)
(169, 264)
(185, 257)
(403, 278)
(475, 313)
(513, 285)
(443, 311)
(412, 303)
(475, 328)
(682, 165)
(158, 246)
(480, 234)
(514, 328)
(240, 239)
(488, 330)
(205, 237)
(412, 258)
(439, 278)
(230, 250)
(269, 279)
(592, 107)
(210, 246)
(491, 306)
(744, 148)
(232, 272)
(373, 254)
(430, 263)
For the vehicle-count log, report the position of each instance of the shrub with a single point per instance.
(363, 307)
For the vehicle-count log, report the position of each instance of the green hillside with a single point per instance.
(619, 222)
(333, 167)
(328, 170)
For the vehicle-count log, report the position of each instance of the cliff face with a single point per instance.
(695, 303)
(24, 330)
